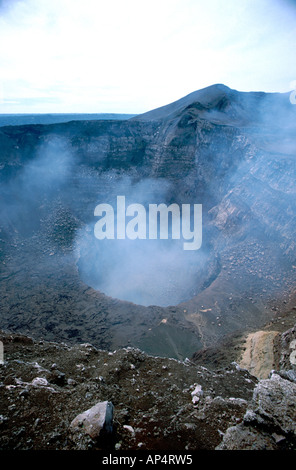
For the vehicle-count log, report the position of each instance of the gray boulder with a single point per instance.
(92, 427)
(269, 422)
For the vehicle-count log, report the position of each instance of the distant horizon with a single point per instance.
(65, 113)
(142, 112)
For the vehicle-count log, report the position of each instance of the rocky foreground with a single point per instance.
(58, 396)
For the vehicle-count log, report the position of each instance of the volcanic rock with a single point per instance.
(96, 423)
(269, 422)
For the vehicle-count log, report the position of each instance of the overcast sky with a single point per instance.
(130, 56)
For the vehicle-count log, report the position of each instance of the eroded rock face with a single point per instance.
(258, 357)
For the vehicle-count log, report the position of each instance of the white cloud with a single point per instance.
(131, 56)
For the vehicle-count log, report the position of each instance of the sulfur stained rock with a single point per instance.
(258, 357)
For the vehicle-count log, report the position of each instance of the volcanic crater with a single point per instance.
(232, 152)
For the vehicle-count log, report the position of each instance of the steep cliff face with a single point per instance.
(258, 357)
(232, 152)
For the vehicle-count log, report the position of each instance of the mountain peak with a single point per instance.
(204, 96)
(220, 104)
